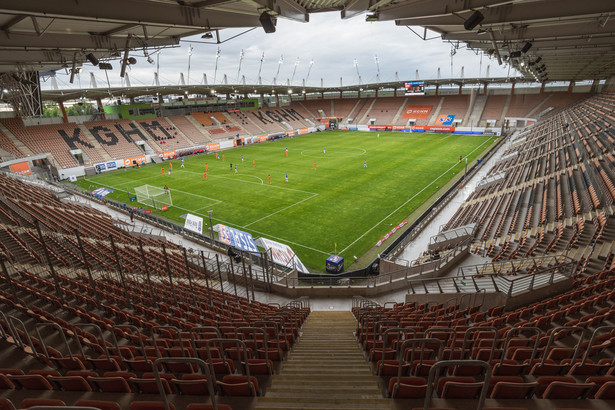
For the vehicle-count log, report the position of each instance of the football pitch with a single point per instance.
(344, 189)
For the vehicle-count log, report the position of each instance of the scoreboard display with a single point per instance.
(415, 88)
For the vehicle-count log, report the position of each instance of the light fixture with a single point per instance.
(538, 60)
(482, 31)
(207, 35)
(515, 54)
(92, 58)
(132, 60)
(474, 20)
(268, 22)
(105, 66)
(526, 47)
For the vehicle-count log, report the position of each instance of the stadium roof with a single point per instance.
(575, 40)
(241, 89)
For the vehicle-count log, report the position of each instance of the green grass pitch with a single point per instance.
(338, 202)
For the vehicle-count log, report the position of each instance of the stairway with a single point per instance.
(325, 370)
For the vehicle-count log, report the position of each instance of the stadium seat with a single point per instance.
(31, 382)
(6, 404)
(513, 390)
(407, 387)
(149, 385)
(200, 406)
(27, 403)
(191, 384)
(149, 405)
(71, 383)
(235, 385)
(99, 404)
(566, 390)
(115, 384)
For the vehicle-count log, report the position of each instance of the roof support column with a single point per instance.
(61, 104)
(459, 89)
(512, 90)
(437, 89)
(570, 86)
(100, 107)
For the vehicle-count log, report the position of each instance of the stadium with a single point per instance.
(435, 243)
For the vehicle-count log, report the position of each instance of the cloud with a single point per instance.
(332, 43)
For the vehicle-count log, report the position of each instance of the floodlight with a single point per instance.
(92, 58)
(474, 20)
(268, 22)
(526, 47)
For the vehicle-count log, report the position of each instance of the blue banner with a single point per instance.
(101, 192)
(237, 239)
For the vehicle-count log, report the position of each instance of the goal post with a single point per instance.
(153, 196)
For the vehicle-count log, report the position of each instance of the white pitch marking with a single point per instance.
(404, 204)
(280, 210)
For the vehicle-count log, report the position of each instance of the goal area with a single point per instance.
(153, 196)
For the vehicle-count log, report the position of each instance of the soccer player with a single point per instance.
(287, 177)
(242, 158)
(223, 157)
(460, 157)
(170, 169)
(364, 163)
(182, 163)
(254, 163)
(162, 170)
(171, 166)
(235, 168)
(166, 188)
(314, 166)
(324, 150)
(231, 164)
(269, 179)
(206, 167)
(286, 151)
(204, 175)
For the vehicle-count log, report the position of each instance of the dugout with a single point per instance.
(238, 142)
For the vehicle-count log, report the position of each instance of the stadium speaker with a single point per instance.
(515, 54)
(92, 58)
(474, 20)
(267, 22)
(526, 47)
(538, 60)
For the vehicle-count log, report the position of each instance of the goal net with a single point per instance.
(153, 196)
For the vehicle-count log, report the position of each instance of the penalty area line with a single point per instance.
(404, 204)
(280, 210)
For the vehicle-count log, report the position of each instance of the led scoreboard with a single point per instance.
(415, 88)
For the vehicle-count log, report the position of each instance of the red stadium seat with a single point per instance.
(27, 403)
(99, 404)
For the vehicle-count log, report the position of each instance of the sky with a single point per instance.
(332, 44)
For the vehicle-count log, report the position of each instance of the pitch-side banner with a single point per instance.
(236, 238)
(194, 223)
(282, 254)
